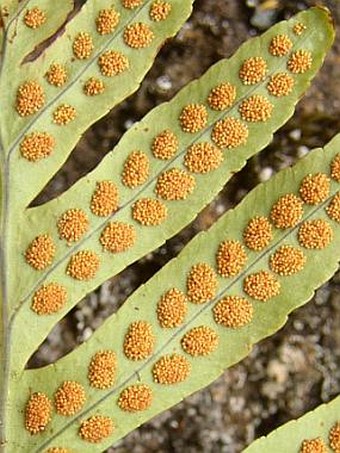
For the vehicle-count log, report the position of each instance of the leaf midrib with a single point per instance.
(4, 328)
(262, 256)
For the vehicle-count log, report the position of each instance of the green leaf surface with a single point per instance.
(14, 128)
(26, 55)
(290, 436)
(30, 53)
(9, 8)
(22, 40)
(40, 220)
(88, 108)
(233, 343)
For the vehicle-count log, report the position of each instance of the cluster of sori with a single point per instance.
(204, 288)
(208, 288)
(175, 183)
(205, 283)
(318, 445)
(31, 96)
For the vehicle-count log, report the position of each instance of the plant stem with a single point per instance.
(4, 341)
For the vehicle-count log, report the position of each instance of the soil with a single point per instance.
(285, 375)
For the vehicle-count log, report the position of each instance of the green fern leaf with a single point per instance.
(229, 288)
(29, 26)
(167, 216)
(318, 429)
(164, 170)
(32, 143)
(85, 71)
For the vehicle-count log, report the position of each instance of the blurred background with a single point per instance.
(296, 369)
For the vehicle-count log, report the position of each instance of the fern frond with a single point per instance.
(318, 430)
(228, 289)
(62, 69)
(155, 198)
